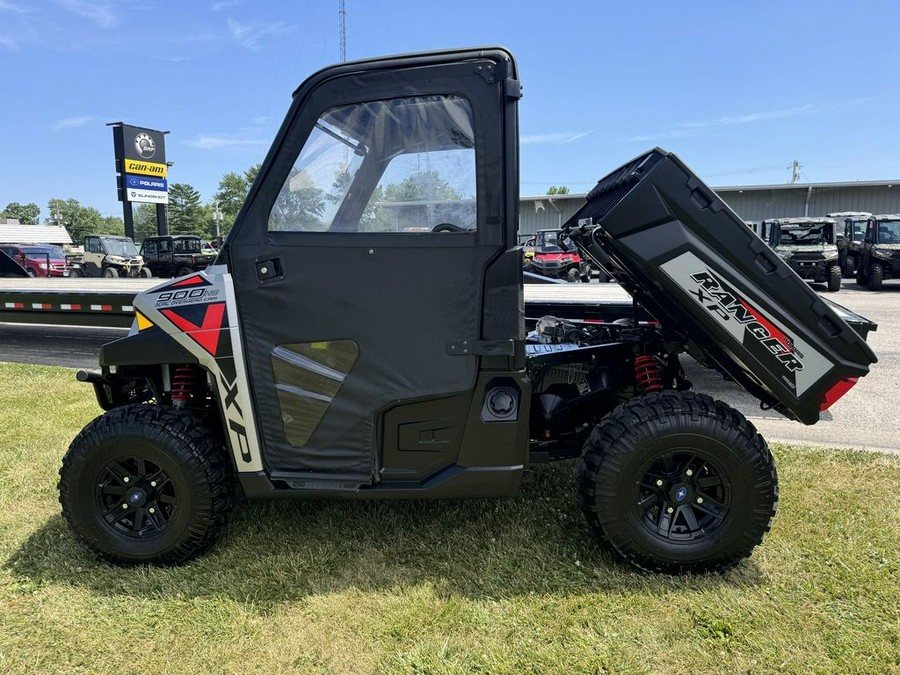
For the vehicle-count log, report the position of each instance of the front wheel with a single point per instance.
(146, 484)
(834, 278)
(572, 275)
(110, 273)
(145, 273)
(876, 278)
(183, 271)
(677, 482)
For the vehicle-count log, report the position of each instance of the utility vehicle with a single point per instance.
(175, 255)
(552, 260)
(851, 228)
(109, 256)
(880, 257)
(807, 246)
(324, 356)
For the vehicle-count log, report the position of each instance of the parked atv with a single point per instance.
(175, 255)
(881, 251)
(552, 260)
(322, 358)
(807, 246)
(850, 230)
(110, 257)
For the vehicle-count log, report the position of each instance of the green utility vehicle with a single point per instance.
(807, 246)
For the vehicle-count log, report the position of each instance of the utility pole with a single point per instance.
(795, 171)
(217, 216)
(342, 18)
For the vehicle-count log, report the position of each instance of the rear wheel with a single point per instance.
(677, 482)
(834, 278)
(183, 271)
(30, 272)
(850, 268)
(876, 278)
(146, 484)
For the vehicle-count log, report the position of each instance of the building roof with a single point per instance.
(751, 188)
(14, 233)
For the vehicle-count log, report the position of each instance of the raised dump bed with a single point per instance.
(686, 257)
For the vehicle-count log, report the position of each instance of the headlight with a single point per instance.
(565, 260)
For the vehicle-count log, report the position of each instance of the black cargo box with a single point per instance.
(702, 273)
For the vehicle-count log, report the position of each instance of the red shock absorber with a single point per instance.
(646, 373)
(184, 382)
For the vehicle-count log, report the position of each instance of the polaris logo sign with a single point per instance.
(759, 335)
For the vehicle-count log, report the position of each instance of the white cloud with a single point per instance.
(712, 128)
(71, 122)
(13, 8)
(101, 13)
(223, 4)
(173, 59)
(749, 118)
(250, 34)
(557, 138)
(219, 141)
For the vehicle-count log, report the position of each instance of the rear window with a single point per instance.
(42, 251)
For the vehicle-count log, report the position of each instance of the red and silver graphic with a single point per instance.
(740, 316)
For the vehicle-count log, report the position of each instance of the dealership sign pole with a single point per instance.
(142, 171)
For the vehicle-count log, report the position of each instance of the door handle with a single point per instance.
(269, 269)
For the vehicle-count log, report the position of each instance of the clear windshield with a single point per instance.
(795, 235)
(545, 242)
(889, 231)
(120, 247)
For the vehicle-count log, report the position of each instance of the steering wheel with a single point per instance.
(448, 227)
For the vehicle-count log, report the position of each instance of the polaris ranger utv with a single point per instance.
(329, 353)
(880, 257)
(851, 228)
(807, 246)
(550, 260)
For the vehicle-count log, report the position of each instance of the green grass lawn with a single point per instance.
(489, 586)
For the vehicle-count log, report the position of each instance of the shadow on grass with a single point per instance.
(280, 551)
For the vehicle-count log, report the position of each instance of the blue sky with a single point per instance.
(737, 89)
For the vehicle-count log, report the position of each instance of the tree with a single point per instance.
(232, 192)
(144, 221)
(561, 190)
(421, 186)
(78, 220)
(185, 214)
(27, 214)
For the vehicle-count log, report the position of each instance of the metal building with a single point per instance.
(750, 202)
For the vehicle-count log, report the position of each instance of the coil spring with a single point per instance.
(184, 382)
(646, 373)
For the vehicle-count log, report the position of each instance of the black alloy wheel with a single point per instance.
(683, 496)
(136, 497)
